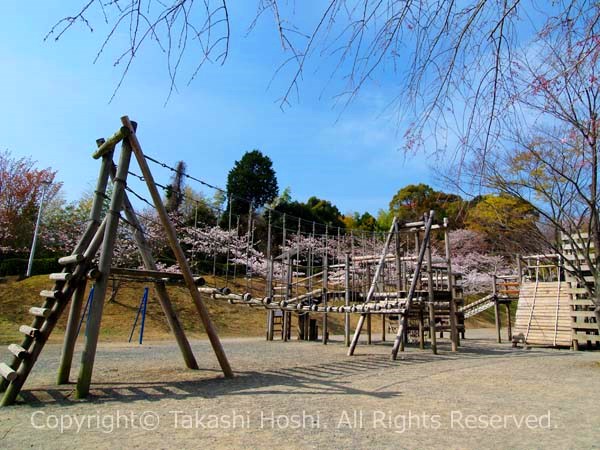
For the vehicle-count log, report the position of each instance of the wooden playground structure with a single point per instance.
(79, 267)
(411, 294)
(403, 276)
(554, 307)
(410, 290)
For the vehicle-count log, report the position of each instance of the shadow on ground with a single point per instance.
(330, 378)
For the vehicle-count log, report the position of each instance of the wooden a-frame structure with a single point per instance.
(70, 284)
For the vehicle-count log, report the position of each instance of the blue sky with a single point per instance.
(55, 103)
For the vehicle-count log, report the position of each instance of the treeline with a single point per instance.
(502, 223)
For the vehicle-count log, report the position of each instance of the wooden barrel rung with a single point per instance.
(72, 259)
(7, 372)
(17, 350)
(40, 312)
(29, 331)
(62, 276)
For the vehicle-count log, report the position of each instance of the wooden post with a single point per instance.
(361, 321)
(307, 326)
(97, 305)
(270, 312)
(325, 279)
(421, 329)
(179, 255)
(383, 328)
(508, 322)
(286, 315)
(66, 358)
(496, 310)
(347, 286)
(369, 338)
(431, 298)
(452, 305)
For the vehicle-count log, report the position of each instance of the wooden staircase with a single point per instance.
(478, 306)
(45, 317)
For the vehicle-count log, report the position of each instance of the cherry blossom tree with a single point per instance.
(21, 187)
(552, 161)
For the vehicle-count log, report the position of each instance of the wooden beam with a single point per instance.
(109, 145)
(179, 255)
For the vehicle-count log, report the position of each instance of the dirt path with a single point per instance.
(306, 395)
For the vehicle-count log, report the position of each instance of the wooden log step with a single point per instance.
(27, 330)
(7, 373)
(72, 259)
(62, 276)
(51, 294)
(40, 312)
(18, 351)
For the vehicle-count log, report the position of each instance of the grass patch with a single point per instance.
(16, 297)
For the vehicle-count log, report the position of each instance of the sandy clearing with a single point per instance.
(307, 395)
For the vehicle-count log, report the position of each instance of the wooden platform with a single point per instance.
(544, 314)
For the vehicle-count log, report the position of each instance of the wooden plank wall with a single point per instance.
(544, 314)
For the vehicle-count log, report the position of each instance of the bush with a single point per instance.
(18, 266)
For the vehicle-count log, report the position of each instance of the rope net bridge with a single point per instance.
(290, 267)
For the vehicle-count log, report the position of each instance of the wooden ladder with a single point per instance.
(15, 373)
(278, 325)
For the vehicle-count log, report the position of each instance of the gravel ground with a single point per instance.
(307, 395)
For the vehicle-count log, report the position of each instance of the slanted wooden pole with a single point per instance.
(398, 256)
(160, 287)
(403, 324)
(108, 242)
(66, 358)
(179, 255)
(361, 321)
(453, 329)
